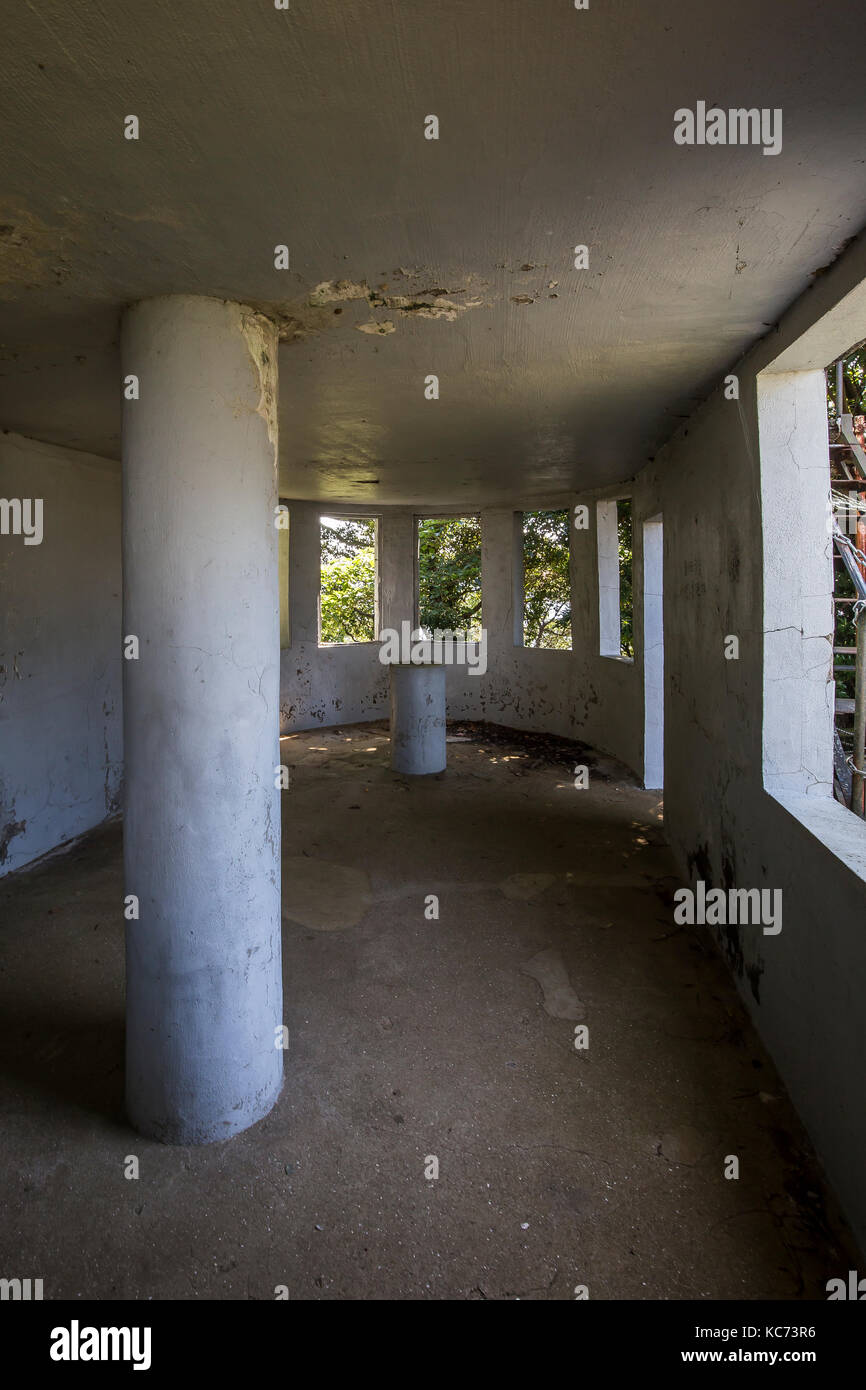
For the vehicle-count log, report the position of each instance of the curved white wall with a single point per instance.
(577, 694)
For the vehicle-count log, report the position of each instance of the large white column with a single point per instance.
(201, 718)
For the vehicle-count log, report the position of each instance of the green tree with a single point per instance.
(546, 581)
(854, 386)
(449, 574)
(348, 580)
(343, 536)
(625, 537)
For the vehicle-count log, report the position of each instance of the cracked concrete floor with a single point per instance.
(413, 1038)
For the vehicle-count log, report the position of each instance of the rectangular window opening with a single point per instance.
(811, 402)
(449, 576)
(812, 436)
(846, 415)
(349, 580)
(546, 588)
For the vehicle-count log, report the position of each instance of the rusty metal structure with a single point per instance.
(848, 504)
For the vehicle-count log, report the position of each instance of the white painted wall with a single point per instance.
(577, 694)
(727, 826)
(747, 799)
(60, 653)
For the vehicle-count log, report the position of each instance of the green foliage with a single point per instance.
(546, 583)
(343, 537)
(348, 580)
(625, 535)
(854, 379)
(449, 574)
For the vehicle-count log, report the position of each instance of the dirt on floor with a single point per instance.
(509, 1074)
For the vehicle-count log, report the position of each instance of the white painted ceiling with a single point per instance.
(306, 127)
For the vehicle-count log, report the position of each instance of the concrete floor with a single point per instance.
(412, 1037)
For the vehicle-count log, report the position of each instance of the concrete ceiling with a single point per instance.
(305, 127)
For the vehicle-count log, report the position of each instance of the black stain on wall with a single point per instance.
(15, 827)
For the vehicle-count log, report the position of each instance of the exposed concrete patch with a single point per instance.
(338, 291)
(322, 895)
(314, 313)
(31, 252)
(260, 335)
(434, 303)
(685, 1145)
(427, 304)
(439, 306)
(525, 886)
(386, 326)
(560, 1000)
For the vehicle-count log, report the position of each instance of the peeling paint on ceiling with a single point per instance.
(411, 257)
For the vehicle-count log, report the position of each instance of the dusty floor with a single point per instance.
(413, 1038)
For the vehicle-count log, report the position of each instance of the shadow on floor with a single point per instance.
(439, 1134)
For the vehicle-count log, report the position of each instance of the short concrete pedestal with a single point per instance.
(417, 718)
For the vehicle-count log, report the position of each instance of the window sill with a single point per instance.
(563, 651)
(346, 646)
(831, 824)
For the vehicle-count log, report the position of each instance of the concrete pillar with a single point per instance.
(398, 531)
(502, 616)
(417, 718)
(305, 558)
(202, 829)
(501, 580)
